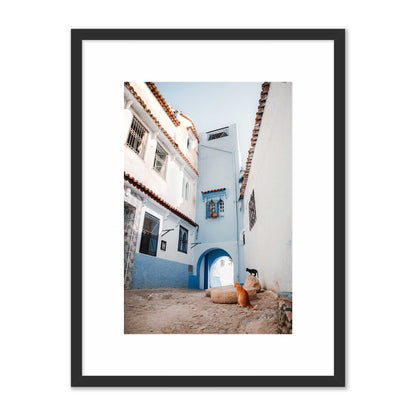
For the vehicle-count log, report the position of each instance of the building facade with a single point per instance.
(267, 190)
(160, 183)
(218, 211)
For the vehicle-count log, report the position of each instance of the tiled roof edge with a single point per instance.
(193, 125)
(163, 103)
(257, 123)
(213, 190)
(130, 179)
(142, 103)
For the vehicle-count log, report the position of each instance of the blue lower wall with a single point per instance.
(153, 272)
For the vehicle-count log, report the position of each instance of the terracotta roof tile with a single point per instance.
(193, 125)
(163, 103)
(130, 179)
(257, 123)
(142, 103)
(213, 190)
(194, 132)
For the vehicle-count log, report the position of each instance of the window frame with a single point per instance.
(218, 134)
(221, 207)
(163, 170)
(153, 237)
(133, 133)
(181, 240)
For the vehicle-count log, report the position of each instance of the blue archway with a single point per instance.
(209, 257)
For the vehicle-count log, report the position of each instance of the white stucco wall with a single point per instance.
(268, 245)
(170, 186)
(167, 221)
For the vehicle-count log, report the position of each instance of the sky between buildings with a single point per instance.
(213, 105)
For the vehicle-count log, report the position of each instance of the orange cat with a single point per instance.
(242, 296)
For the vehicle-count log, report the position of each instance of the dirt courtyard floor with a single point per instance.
(184, 311)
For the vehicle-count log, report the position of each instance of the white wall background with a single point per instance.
(268, 245)
(35, 304)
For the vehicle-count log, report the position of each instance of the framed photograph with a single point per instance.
(225, 150)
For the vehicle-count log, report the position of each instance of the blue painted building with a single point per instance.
(219, 213)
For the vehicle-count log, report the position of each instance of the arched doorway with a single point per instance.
(207, 264)
(222, 272)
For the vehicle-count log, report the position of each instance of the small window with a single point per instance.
(212, 209)
(217, 134)
(136, 138)
(150, 235)
(161, 157)
(252, 216)
(221, 207)
(183, 240)
(189, 144)
(185, 189)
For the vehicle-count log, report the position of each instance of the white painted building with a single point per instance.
(267, 190)
(160, 179)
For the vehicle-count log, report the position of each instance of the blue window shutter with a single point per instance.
(217, 208)
(207, 209)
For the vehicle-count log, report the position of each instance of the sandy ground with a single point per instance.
(183, 311)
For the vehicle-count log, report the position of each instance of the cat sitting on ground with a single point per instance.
(242, 297)
(254, 272)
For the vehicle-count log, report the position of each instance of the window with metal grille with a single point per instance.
(161, 157)
(150, 235)
(252, 216)
(216, 134)
(221, 207)
(183, 240)
(136, 138)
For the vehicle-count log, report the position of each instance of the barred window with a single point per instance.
(183, 240)
(136, 138)
(221, 207)
(217, 134)
(150, 235)
(161, 157)
(252, 211)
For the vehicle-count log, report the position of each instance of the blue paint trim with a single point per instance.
(216, 194)
(206, 268)
(209, 258)
(193, 282)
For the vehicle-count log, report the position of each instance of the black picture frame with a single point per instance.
(163, 245)
(80, 380)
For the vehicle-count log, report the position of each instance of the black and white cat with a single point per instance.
(254, 272)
